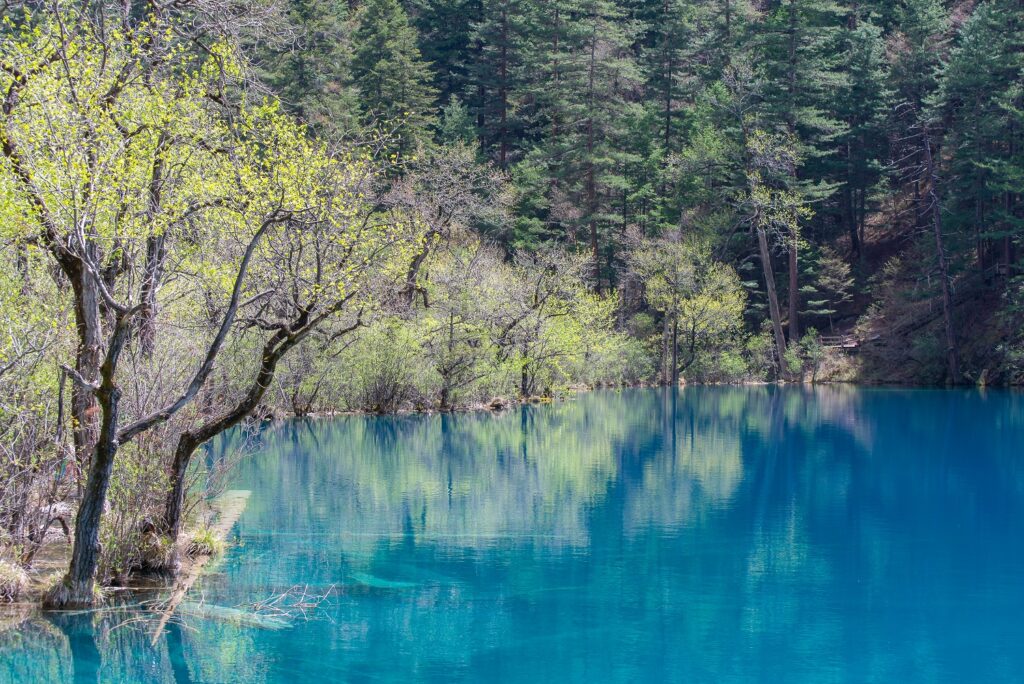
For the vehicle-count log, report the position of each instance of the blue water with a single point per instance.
(718, 535)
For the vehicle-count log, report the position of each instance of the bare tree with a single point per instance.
(447, 190)
(321, 274)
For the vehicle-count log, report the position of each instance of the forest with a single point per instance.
(214, 213)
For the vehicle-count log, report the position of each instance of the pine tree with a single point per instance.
(502, 36)
(666, 33)
(445, 29)
(311, 72)
(722, 31)
(669, 82)
(830, 285)
(980, 93)
(919, 45)
(861, 103)
(921, 42)
(799, 47)
(392, 79)
(456, 124)
(589, 69)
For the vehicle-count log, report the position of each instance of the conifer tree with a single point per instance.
(502, 36)
(920, 43)
(392, 79)
(591, 69)
(456, 124)
(980, 93)
(445, 30)
(669, 82)
(861, 103)
(722, 31)
(799, 49)
(310, 72)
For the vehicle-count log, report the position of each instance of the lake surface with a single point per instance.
(712, 535)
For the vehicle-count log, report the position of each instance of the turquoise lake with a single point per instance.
(719, 534)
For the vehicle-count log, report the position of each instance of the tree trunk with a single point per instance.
(591, 186)
(1007, 255)
(794, 276)
(862, 216)
(794, 288)
(503, 95)
(76, 589)
(666, 357)
(88, 357)
(979, 220)
(952, 355)
(773, 300)
(669, 82)
(173, 507)
(274, 350)
(555, 79)
(675, 352)
(156, 253)
(849, 211)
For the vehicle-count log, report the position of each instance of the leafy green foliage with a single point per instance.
(388, 205)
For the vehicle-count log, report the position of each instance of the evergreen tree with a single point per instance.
(862, 103)
(590, 70)
(392, 79)
(456, 124)
(980, 93)
(666, 33)
(502, 37)
(799, 47)
(722, 31)
(445, 29)
(920, 43)
(668, 29)
(310, 73)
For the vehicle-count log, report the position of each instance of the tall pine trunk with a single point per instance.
(794, 287)
(952, 354)
(503, 94)
(773, 299)
(591, 182)
(794, 275)
(675, 351)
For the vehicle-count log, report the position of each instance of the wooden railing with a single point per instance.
(839, 341)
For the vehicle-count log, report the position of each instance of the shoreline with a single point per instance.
(572, 392)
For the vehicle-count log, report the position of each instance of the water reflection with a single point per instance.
(716, 534)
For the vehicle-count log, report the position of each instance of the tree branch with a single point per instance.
(206, 367)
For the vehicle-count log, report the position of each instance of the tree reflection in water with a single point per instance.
(745, 533)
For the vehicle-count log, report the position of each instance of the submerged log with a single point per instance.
(235, 616)
(374, 582)
(229, 507)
